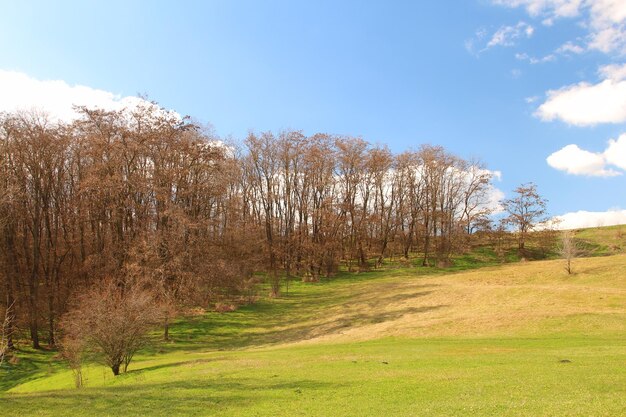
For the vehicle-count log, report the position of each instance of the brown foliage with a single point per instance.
(152, 200)
(115, 194)
(525, 211)
(111, 320)
(72, 351)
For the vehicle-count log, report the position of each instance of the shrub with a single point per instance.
(112, 321)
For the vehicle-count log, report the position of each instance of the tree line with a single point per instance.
(145, 199)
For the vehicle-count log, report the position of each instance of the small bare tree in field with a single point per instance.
(72, 350)
(569, 249)
(526, 211)
(112, 321)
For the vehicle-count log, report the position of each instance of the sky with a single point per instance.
(536, 89)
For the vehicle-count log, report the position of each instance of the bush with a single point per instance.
(224, 307)
(111, 321)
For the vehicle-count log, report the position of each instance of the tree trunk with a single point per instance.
(51, 341)
(426, 248)
(33, 313)
(12, 272)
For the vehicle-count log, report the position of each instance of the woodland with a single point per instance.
(119, 221)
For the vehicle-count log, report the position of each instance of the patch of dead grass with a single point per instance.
(513, 299)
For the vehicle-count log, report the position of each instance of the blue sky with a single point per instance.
(472, 75)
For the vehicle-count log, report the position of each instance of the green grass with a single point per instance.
(521, 339)
(400, 377)
(602, 241)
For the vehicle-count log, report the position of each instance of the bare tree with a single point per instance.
(265, 174)
(475, 195)
(144, 195)
(112, 320)
(526, 210)
(72, 350)
(568, 249)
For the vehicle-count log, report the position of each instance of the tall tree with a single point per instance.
(525, 211)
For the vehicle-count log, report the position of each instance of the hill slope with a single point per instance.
(520, 339)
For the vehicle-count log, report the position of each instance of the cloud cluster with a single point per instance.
(534, 60)
(604, 19)
(570, 47)
(613, 72)
(582, 219)
(586, 103)
(549, 9)
(508, 35)
(505, 36)
(56, 98)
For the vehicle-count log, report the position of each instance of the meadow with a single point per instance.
(518, 339)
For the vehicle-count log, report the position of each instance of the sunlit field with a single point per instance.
(522, 339)
(313, 208)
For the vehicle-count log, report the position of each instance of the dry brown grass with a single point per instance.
(521, 299)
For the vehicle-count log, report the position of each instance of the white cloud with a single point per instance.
(479, 36)
(612, 38)
(605, 20)
(586, 104)
(570, 47)
(547, 58)
(508, 35)
(576, 161)
(613, 72)
(582, 219)
(615, 153)
(551, 8)
(533, 60)
(505, 36)
(607, 25)
(19, 92)
(607, 12)
(495, 197)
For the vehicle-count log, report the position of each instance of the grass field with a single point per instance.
(521, 339)
(607, 240)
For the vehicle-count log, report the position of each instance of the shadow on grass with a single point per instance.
(304, 314)
(301, 314)
(31, 364)
(189, 397)
(222, 336)
(170, 365)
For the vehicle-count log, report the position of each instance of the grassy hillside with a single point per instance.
(521, 339)
(608, 240)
